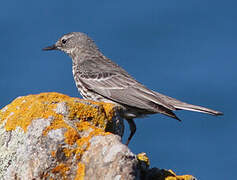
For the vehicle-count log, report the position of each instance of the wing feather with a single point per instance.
(125, 90)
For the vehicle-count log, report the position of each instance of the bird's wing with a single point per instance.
(123, 89)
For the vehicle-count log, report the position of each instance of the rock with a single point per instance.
(54, 136)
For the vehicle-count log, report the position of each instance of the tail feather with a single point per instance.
(170, 114)
(164, 110)
(179, 105)
(201, 109)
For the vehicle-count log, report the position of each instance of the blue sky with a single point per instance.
(184, 49)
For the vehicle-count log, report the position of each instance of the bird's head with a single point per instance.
(70, 42)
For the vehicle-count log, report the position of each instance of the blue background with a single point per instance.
(184, 49)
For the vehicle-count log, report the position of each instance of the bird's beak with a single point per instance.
(53, 47)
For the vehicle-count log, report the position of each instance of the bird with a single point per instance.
(100, 79)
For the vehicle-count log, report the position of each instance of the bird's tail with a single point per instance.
(190, 107)
(185, 106)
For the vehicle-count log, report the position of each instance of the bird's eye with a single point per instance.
(64, 41)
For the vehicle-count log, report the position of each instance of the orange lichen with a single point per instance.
(82, 145)
(57, 123)
(84, 142)
(96, 115)
(61, 169)
(173, 176)
(69, 151)
(71, 136)
(80, 171)
(53, 153)
(143, 158)
(23, 110)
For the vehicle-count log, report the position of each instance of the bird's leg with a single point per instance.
(133, 128)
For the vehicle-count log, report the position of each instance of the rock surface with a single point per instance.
(54, 136)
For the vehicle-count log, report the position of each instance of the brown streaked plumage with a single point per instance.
(99, 79)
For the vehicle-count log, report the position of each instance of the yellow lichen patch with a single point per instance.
(57, 123)
(143, 158)
(80, 171)
(175, 177)
(84, 142)
(84, 126)
(69, 152)
(61, 169)
(23, 110)
(71, 136)
(96, 115)
(109, 109)
(53, 153)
